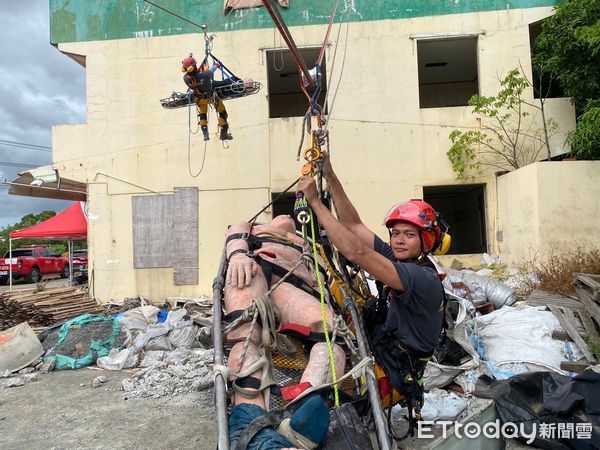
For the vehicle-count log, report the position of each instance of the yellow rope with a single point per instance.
(323, 315)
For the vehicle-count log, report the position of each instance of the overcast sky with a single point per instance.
(39, 87)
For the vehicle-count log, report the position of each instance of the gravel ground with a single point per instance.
(63, 411)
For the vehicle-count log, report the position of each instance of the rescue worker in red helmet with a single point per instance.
(404, 324)
(201, 82)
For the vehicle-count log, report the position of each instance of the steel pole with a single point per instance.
(220, 382)
(378, 417)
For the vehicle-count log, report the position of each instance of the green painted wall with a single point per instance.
(93, 20)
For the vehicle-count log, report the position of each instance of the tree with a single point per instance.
(569, 49)
(585, 140)
(506, 139)
(26, 221)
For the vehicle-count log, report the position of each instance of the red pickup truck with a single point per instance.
(31, 263)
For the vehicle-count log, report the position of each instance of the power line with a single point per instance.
(176, 15)
(14, 164)
(39, 148)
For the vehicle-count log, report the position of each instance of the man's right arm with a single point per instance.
(346, 212)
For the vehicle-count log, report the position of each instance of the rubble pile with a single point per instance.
(177, 372)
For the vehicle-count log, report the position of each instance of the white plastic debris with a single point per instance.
(442, 405)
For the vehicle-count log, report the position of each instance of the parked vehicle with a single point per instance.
(31, 263)
(80, 259)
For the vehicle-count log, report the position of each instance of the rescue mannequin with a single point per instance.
(404, 325)
(250, 276)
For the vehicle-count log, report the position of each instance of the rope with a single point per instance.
(336, 394)
(363, 368)
(274, 200)
(189, 149)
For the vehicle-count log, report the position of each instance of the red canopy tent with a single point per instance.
(70, 225)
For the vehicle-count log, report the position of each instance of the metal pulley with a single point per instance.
(301, 210)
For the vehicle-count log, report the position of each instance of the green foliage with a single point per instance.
(593, 346)
(569, 49)
(26, 221)
(504, 141)
(585, 140)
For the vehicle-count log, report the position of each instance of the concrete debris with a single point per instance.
(15, 382)
(6, 374)
(31, 377)
(171, 376)
(26, 370)
(47, 366)
(98, 381)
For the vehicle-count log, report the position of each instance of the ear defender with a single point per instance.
(444, 246)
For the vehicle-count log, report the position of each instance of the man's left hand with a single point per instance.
(308, 187)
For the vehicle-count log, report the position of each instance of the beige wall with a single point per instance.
(384, 147)
(548, 208)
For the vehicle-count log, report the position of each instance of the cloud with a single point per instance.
(40, 87)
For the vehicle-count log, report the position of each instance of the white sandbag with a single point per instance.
(140, 318)
(175, 317)
(117, 360)
(154, 339)
(183, 337)
(520, 340)
(485, 289)
(439, 375)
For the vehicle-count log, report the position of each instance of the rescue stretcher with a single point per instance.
(358, 386)
(237, 89)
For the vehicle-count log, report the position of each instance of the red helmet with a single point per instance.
(188, 64)
(420, 214)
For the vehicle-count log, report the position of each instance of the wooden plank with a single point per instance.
(576, 366)
(563, 336)
(589, 326)
(568, 303)
(587, 281)
(592, 308)
(571, 329)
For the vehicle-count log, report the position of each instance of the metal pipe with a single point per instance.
(381, 428)
(70, 242)
(220, 383)
(273, 11)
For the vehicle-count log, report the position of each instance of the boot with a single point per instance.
(225, 135)
(205, 133)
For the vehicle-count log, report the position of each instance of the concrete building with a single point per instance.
(398, 75)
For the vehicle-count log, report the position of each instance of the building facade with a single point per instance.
(397, 78)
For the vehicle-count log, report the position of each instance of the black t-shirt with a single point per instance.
(200, 82)
(414, 316)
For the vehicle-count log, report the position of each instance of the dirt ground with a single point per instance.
(63, 411)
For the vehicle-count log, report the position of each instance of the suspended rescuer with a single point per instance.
(405, 322)
(201, 82)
